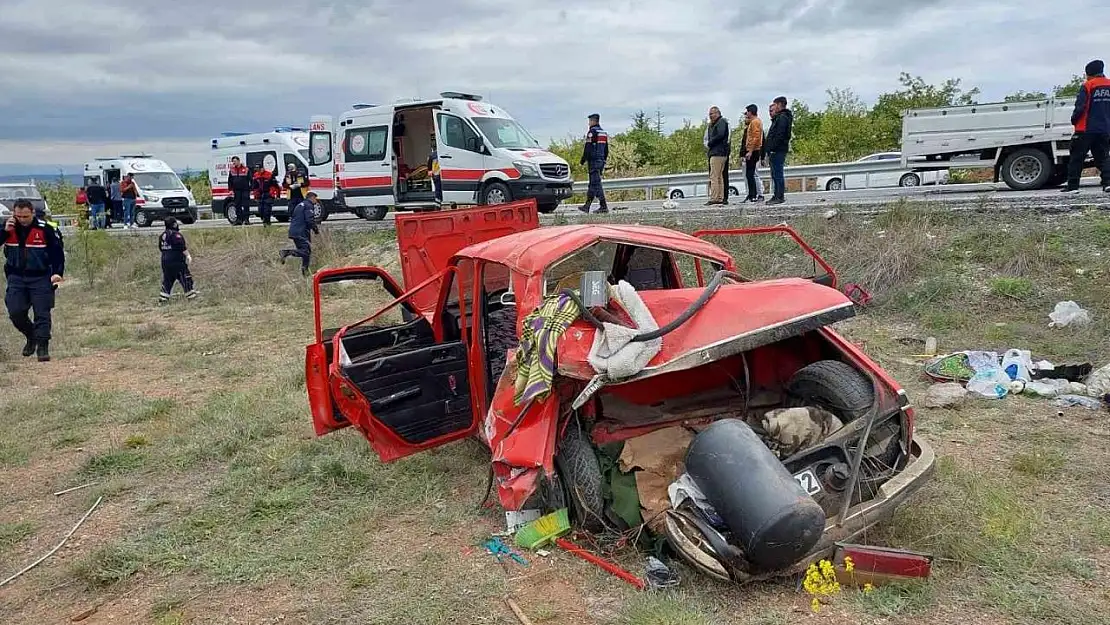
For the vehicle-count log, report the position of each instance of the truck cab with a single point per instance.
(379, 156)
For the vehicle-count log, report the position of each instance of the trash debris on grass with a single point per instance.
(516, 519)
(543, 530)
(499, 550)
(865, 565)
(605, 565)
(987, 375)
(658, 575)
(945, 395)
(1067, 314)
(669, 204)
(856, 293)
(1077, 401)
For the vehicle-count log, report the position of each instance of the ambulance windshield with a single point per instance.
(505, 133)
(158, 181)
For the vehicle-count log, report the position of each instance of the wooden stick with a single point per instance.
(520, 616)
(56, 547)
(70, 490)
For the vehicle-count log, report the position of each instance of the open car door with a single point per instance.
(752, 262)
(405, 386)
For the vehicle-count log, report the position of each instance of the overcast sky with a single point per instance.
(82, 78)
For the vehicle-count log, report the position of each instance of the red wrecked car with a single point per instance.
(762, 436)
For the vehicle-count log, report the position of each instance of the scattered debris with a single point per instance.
(930, 346)
(516, 519)
(1018, 364)
(1098, 383)
(856, 293)
(80, 616)
(945, 395)
(832, 212)
(794, 429)
(606, 565)
(658, 575)
(669, 204)
(544, 529)
(520, 616)
(56, 547)
(656, 459)
(498, 550)
(1080, 401)
(864, 565)
(1068, 313)
(70, 490)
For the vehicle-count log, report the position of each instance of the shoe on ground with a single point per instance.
(29, 347)
(585, 208)
(43, 350)
(760, 199)
(1106, 189)
(283, 255)
(1069, 190)
(602, 210)
(775, 200)
(163, 295)
(191, 294)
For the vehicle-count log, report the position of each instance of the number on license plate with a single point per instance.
(808, 481)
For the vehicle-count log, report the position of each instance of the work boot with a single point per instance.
(44, 351)
(603, 209)
(29, 347)
(283, 254)
(776, 200)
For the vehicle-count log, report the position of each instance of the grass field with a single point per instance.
(220, 506)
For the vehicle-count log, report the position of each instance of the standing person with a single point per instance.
(97, 197)
(1091, 119)
(297, 185)
(301, 225)
(175, 261)
(129, 190)
(595, 153)
(34, 263)
(752, 149)
(115, 199)
(265, 189)
(239, 185)
(433, 171)
(776, 146)
(717, 147)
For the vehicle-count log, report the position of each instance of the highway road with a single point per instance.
(951, 197)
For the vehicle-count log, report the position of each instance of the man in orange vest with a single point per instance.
(1091, 119)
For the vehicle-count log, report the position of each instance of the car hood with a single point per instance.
(539, 156)
(737, 318)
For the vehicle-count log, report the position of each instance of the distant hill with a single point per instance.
(73, 179)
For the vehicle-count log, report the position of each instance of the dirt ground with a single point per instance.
(218, 504)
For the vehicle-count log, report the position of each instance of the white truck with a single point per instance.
(1026, 143)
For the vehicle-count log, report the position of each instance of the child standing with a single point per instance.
(175, 261)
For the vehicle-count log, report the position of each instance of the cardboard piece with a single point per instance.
(657, 460)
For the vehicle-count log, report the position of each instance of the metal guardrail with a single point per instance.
(794, 171)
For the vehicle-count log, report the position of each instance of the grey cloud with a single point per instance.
(826, 15)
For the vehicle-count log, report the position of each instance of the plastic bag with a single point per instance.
(990, 383)
(1018, 364)
(1098, 383)
(1068, 313)
(1067, 401)
(659, 575)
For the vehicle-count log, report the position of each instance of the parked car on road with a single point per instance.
(10, 192)
(731, 356)
(700, 189)
(902, 178)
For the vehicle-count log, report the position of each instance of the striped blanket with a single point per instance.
(539, 337)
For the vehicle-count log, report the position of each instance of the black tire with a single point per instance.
(580, 474)
(494, 190)
(142, 220)
(677, 194)
(835, 386)
(733, 192)
(374, 213)
(909, 180)
(320, 213)
(230, 212)
(188, 220)
(547, 209)
(834, 185)
(1027, 169)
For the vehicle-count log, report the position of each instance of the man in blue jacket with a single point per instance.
(34, 263)
(301, 225)
(1091, 119)
(595, 153)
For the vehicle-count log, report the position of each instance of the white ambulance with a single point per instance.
(161, 192)
(277, 151)
(379, 154)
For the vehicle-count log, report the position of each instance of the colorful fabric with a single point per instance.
(538, 341)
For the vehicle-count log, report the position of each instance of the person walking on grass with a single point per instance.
(1091, 118)
(777, 145)
(175, 261)
(752, 149)
(301, 228)
(34, 264)
(717, 145)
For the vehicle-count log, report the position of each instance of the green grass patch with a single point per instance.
(12, 534)
(112, 463)
(893, 599)
(675, 608)
(1040, 463)
(109, 565)
(1012, 288)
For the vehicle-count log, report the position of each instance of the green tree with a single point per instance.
(1071, 88)
(1025, 96)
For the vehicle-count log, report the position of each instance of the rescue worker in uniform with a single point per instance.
(34, 263)
(301, 225)
(297, 185)
(433, 171)
(594, 155)
(1091, 119)
(239, 185)
(175, 261)
(265, 189)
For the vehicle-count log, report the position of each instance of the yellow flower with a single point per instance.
(867, 588)
(849, 566)
(815, 605)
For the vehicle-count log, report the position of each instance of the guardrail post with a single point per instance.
(649, 193)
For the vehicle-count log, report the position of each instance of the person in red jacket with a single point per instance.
(265, 189)
(239, 185)
(1091, 119)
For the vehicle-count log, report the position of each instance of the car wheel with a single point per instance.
(1027, 169)
(142, 220)
(833, 385)
(733, 192)
(374, 213)
(188, 219)
(496, 193)
(320, 213)
(677, 194)
(909, 180)
(836, 184)
(547, 209)
(580, 473)
(231, 212)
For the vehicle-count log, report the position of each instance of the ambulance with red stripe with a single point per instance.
(276, 151)
(378, 156)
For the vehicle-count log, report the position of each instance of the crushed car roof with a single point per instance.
(531, 251)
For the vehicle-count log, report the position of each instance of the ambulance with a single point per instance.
(161, 192)
(378, 156)
(277, 151)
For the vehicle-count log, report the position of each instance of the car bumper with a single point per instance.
(156, 210)
(544, 191)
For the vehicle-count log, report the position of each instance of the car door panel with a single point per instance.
(461, 164)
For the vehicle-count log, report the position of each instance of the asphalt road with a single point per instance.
(952, 197)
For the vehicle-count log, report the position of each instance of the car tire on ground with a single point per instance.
(833, 385)
(580, 474)
(374, 213)
(1027, 169)
(733, 192)
(677, 194)
(836, 184)
(320, 213)
(142, 220)
(495, 192)
(188, 219)
(230, 212)
(909, 180)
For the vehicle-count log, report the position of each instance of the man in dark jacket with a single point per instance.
(595, 153)
(776, 146)
(97, 197)
(301, 225)
(1091, 119)
(175, 261)
(34, 263)
(239, 185)
(717, 145)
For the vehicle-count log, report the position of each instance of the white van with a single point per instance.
(485, 156)
(276, 151)
(161, 192)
